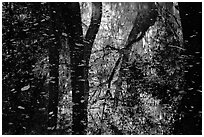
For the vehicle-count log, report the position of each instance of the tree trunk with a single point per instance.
(141, 24)
(191, 105)
(54, 71)
(72, 16)
(80, 52)
(89, 40)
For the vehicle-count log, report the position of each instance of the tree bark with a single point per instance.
(79, 115)
(141, 24)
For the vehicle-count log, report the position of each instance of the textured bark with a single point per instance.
(89, 40)
(94, 25)
(143, 21)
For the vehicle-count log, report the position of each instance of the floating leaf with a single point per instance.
(51, 113)
(190, 88)
(64, 34)
(20, 107)
(79, 44)
(182, 92)
(25, 88)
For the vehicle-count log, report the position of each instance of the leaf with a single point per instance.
(10, 123)
(182, 92)
(190, 88)
(79, 44)
(64, 34)
(25, 88)
(20, 107)
(51, 113)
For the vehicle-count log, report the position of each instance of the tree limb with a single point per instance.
(142, 22)
(93, 28)
(111, 76)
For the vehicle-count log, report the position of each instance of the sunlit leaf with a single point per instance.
(20, 107)
(25, 88)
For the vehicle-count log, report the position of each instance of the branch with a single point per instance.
(94, 27)
(139, 37)
(176, 47)
(113, 71)
(111, 76)
(142, 23)
(95, 21)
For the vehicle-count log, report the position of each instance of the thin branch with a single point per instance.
(111, 76)
(114, 70)
(176, 47)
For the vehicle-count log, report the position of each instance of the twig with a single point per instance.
(177, 47)
(112, 74)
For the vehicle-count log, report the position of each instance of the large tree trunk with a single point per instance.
(80, 54)
(72, 15)
(89, 40)
(191, 106)
(54, 71)
(141, 24)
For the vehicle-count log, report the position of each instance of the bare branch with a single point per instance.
(142, 22)
(95, 21)
(176, 47)
(114, 70)
(93, 28)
